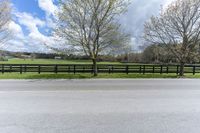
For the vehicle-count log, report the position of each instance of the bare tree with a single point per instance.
(177, 27)
(157, 54)
(120, 43)
(88, 25)
(5, 17)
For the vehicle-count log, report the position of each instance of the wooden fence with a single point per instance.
(104, 68)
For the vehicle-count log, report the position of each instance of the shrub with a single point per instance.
(3, 58)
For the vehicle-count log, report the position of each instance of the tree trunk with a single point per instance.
(95, 71)
(182, 70)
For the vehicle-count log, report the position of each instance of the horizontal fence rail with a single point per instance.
(103, 68)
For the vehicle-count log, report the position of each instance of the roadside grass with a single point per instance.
(89, 76)
(193, 76)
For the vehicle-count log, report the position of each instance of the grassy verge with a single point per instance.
(88, 76)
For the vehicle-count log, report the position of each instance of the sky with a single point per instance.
(32, 21)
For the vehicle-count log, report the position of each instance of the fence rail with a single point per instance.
(103, 68)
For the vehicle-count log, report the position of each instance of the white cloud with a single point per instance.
(17, 37)
(33, 41)
(50, 10)
(48, 6)
(140, 11)
(32, 23)
(14, 27)
(15, 45)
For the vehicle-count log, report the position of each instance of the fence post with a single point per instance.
(69, 69)
(25, 68)
(144, 69)
(112, 69)
(140, 71)
(161, 69)
(56, 69)
(194, 70)
(177, 70)
(127, 69)
(153, 69)
(167, 69)
(39, 69)
(20, 69)
(74, 69)
(109, 69)
(10, 68)
(83, 69)
(2, 69)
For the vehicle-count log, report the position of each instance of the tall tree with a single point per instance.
(88, 25)
(120, 43)
(177, 27)
(5, 17)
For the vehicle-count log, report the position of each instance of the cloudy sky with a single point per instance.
(32, 21)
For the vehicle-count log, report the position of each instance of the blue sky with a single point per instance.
(29, 6)
(31, 24)
(32, 21)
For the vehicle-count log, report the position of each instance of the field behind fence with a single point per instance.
(102, 68)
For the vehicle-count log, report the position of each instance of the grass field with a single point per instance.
(50, 61)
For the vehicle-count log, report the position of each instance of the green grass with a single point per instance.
(50, 61)
(88, 76)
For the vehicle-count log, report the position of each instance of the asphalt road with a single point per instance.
(100, 106)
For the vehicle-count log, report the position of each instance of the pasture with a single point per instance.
(50, 61)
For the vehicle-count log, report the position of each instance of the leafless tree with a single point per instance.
(5, 17)
(120, 43)
(88, 25)
(177, 27)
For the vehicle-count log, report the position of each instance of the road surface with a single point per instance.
(100, 106)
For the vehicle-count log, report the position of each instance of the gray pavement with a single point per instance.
(100, 106)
